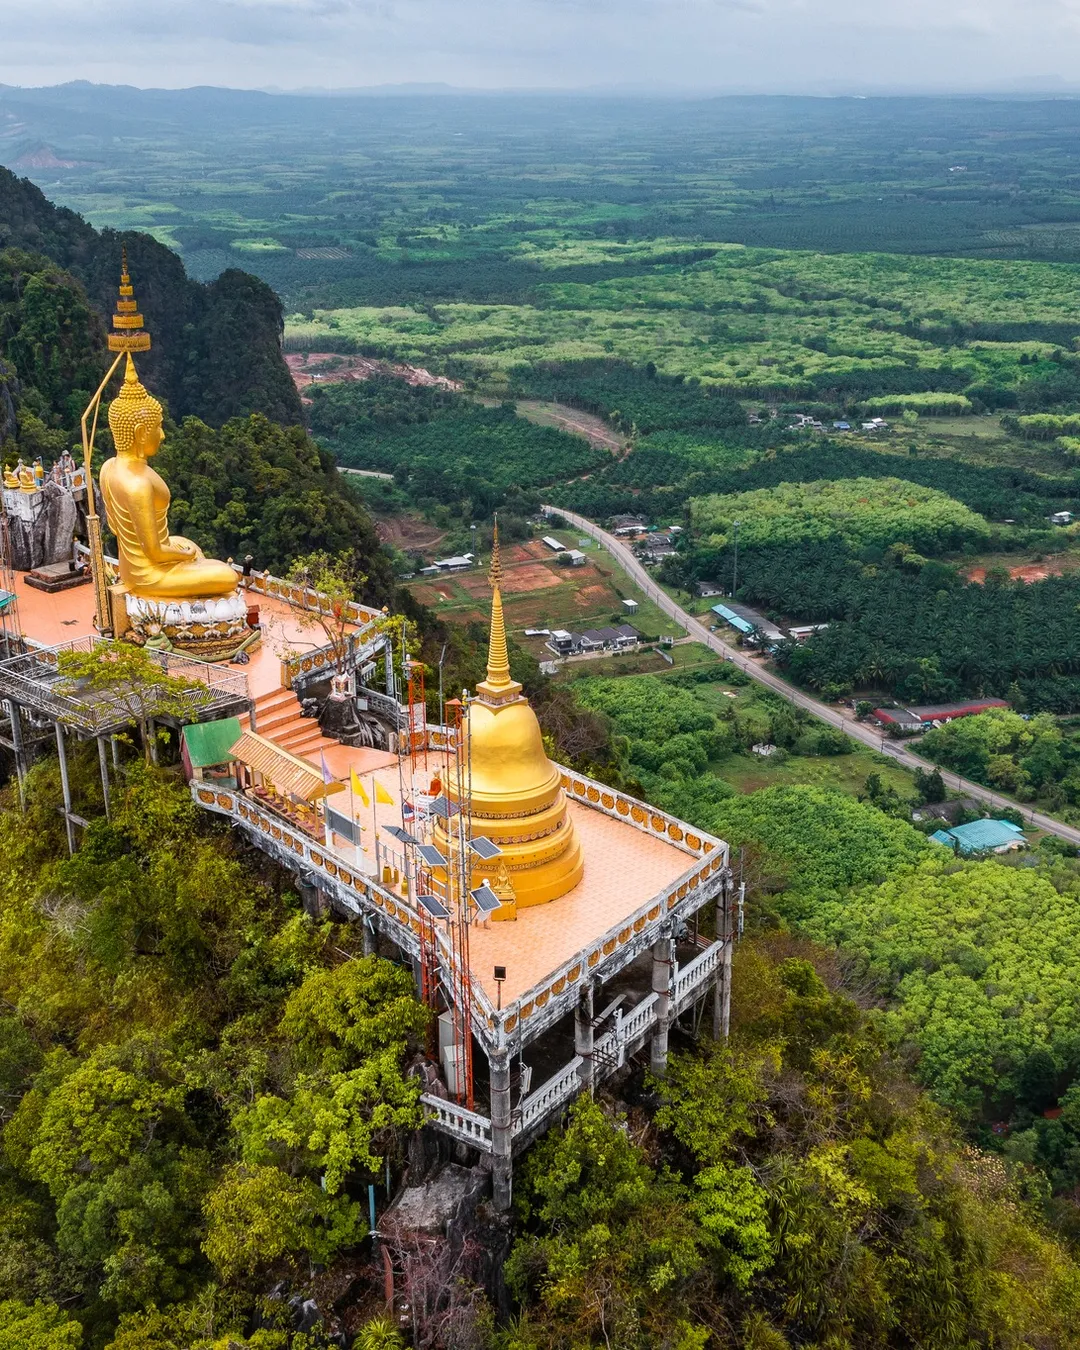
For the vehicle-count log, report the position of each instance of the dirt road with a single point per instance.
(858, 731)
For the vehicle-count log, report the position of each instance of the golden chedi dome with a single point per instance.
(516, 797)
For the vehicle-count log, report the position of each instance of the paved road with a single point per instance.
(858, 731)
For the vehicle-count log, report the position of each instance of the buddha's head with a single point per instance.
(135, 418)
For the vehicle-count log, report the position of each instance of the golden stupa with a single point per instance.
(515, 792)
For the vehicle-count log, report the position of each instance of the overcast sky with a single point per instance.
(695, 45)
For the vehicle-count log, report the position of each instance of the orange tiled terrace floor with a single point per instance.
(624, 867)
(53, 619)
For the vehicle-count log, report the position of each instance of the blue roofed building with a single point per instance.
(982, 836)
(748, 621)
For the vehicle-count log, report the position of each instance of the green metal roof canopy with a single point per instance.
(209, 743)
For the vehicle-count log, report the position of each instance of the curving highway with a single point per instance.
(858, 731)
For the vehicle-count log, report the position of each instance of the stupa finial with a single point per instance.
(498, 683)
(128, 334)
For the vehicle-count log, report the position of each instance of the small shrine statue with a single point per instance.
(153, 564)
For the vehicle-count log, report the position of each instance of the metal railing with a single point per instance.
(303, 597)
(34, 679)
(299, 667)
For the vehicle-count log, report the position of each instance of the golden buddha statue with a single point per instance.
(154, 565)
(516, 795)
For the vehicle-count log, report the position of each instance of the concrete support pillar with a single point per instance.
(311, 898)
(721, 1010)
(65, 785)
(15, 713)
(103, 763)
(583, 1038)
(501, 1138)
(367, 933)
(115, 753)
(661, 982)
(151, 731)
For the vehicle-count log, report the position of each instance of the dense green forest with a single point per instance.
(1034, 759)
(973, 960)
(255, 487)
(789, 1189)
(185, 1056)
(920, 630)
(445, 449)
(250, 486)
(217, 347)
(427, 198)
(180, 1038)
(860, 512)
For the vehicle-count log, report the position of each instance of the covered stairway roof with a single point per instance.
(288, 773)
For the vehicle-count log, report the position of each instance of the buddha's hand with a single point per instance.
(183, 549)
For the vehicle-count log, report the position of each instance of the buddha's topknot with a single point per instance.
(131, 408)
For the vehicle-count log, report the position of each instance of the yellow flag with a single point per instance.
(381, 794)
(358, 787)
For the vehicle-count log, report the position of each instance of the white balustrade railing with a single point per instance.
(458, 1121)
(691, 977)
(549, 1096)
(638, 1022)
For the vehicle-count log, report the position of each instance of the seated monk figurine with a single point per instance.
(154, 565)
(11, 478)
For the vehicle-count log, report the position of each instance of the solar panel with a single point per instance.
(434, 906)
(402, 836)
(431, 855)
(484, 848)
(486, 899)
(443, 806)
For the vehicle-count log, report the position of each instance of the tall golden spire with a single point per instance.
(128, 334)
(498, 686)
(515, 793)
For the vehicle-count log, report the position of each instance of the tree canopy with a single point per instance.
(857, 511)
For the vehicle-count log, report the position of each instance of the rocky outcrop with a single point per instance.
(42, 530)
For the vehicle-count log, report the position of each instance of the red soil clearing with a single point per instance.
(305, 369)
(1028, 572)
(515, 581)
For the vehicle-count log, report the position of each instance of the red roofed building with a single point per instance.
(915, 719)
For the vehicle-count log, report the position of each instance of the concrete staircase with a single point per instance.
(279, 719)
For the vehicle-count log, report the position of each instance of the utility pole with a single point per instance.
(735, 568)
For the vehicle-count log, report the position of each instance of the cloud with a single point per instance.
(772, 45)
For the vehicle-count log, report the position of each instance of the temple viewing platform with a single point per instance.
(656, 876)
(553, 925)
(558, 998)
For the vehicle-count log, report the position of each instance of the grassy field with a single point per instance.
(538, 593)
(749, 772)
